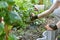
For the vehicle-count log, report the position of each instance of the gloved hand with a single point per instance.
(33, 17)
(51, 26)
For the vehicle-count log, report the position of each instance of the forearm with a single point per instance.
(43, 14)
(49, 11)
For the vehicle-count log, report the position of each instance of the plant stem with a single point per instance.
(9, 7)
(41, 2)
(6, 31)
(0, 19)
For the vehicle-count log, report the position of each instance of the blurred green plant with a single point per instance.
(15, 13)
(9, 17)
(47, 3)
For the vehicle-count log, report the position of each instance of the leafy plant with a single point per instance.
(14, 13)
(47, 3)
(9, 17)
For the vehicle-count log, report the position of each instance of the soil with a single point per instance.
(36, 32)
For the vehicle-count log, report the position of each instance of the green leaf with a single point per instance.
(2, 14)
(2, 36)
(14, 17)
(3, 4)
(10, 2)
(1, 28)
(12, 37)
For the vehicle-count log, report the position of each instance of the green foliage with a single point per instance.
(2, 13)
(9, 16)
(1, 28)
(35, 1)
(14, 17)
(12, 37)
(47, 3)
(3, 4)
(25, 8)
(10, 2)
(2, 34)
(16, 12)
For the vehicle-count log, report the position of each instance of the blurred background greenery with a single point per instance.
(17, 17)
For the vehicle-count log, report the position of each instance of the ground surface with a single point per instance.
(32, 33)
